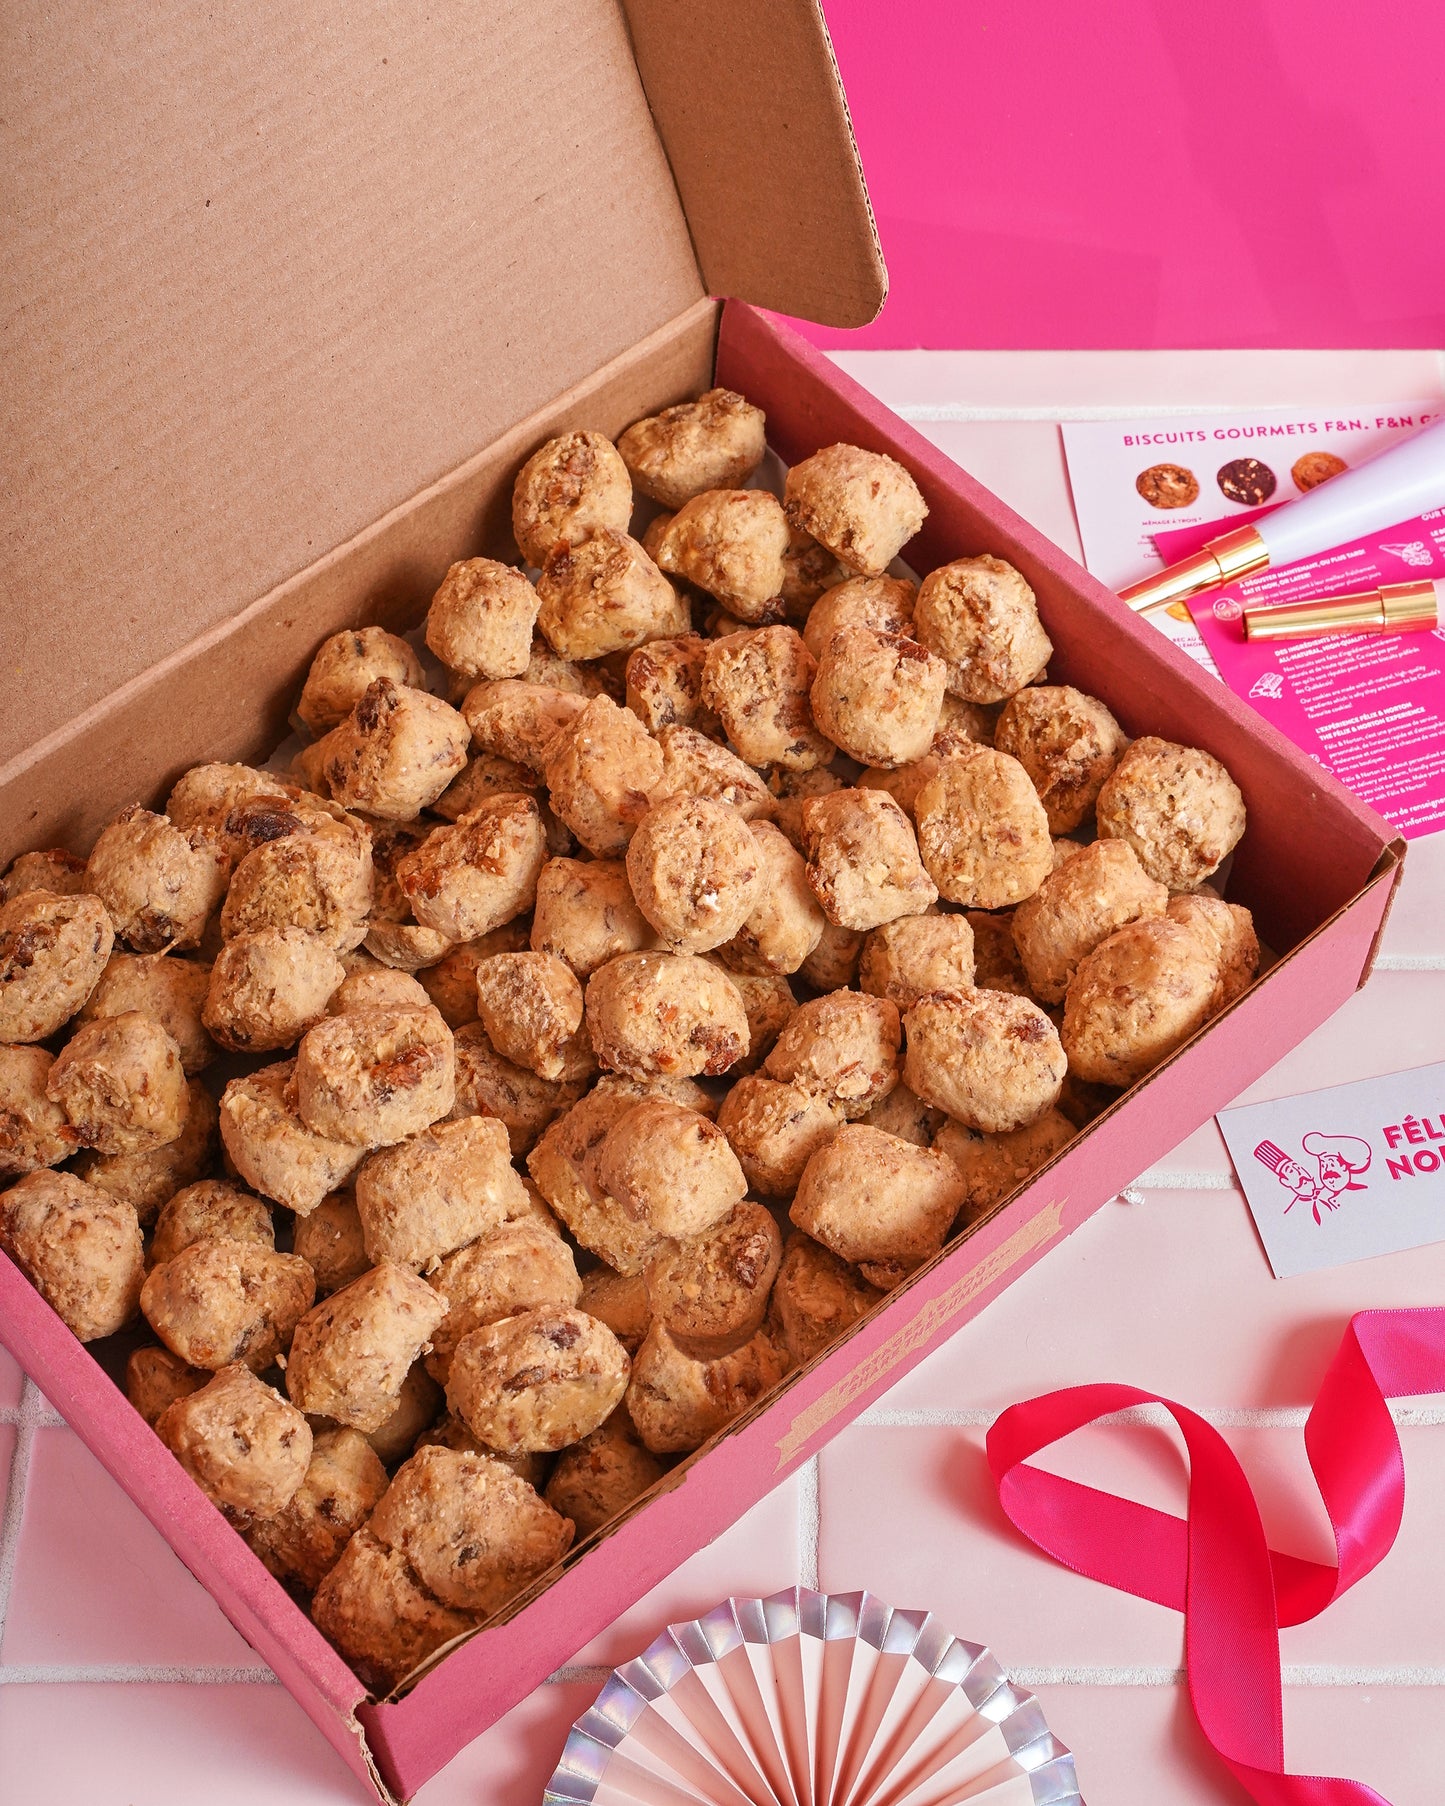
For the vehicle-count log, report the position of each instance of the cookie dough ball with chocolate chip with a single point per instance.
(350, 1356)
(146, 1180)
(980, 617)
(80, 1250)
(877, 1201)
(731, 543)
(373, 985)
(694, 869)
(601, 773)
(531, 1007)
(715, 442)
(239, 1440)
(488, 1085)
(1229, 929)
(906, 959)
(418, 1406)
(51, 869)
(1097, 890)
(120, 1083)
(564, 1166)
(373, 1077)
(775, 1129)
(269, 987)
(1067, 742)
(817, 1297)
(883, 603)
(863, 859)
(160, 883)
(378, 1614)
(480, 621)
(223, 1300)
(710, 1292)
(603, 594)
(770, 1005)
(991, 1060)
(664, 684)
(344, 669)
(665, 1013)
(315, 871)
(693, 765)
(34, 1132)
(272, 1148)
(303, 1541)
(843, 1048)
(620, 1301)
(877, 696)
(569, 487)
(518, 721)
(1176, 806)
(863, 506)
(1136, 997)
(785, 922)
(539, 1380)
(330, 1240)
(996, 962)
(396, 752)
(677, 1402)
(170, 990)
(602, 1474)
(670, 1168)
(451, 984)
(206, 795)
(430, 1195)
(469, 878)
(210, 1210)
(519, 1266)
(155, 1379)
(484, 777)
(585, 914)
(757, 684)
(993, 1166)
(982, 830)
(905, 1115)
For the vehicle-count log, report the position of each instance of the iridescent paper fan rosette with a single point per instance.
(812, 1699)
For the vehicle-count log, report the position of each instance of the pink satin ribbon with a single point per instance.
(1216, 1567)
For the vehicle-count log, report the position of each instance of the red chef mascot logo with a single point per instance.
(1338, 1160)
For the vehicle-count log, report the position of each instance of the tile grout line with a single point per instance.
(30, 1416)
(809, 1524)
(1268, 1417)
(44, 1674)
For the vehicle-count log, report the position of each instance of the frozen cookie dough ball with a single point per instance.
(269, 987)
(488, 1085)
(817, 1298)
(350, 1356)
(315, 871)
(210, 1210)
(710, 1292)
(53, 950)
(883, 603)
(378, 1614)
(239, 1440)
(993, 1166)
(423, 1199)
(1176, 806)
(1136, 997)
(676, 1401)
(664, 684)
(481, 872)
(877, 1201)
(863, 859)
(80, 1250)
(980, 617)
(572, 485)
(345, 668)
(539, 1380)
(418, 1406)
(904, 1114)
(991, 1060)
(715, 442)
(863, 506)
(121, 1085)
(303, 1541)
(451, 984)
(376, 986)
(516, 720)
(693, 765)
(272, 1148)
(34, 1132)
(603, 594)
(221, 1301)
(155, 1379)
(1096, 891)
(481, 619)
(758, 684)
(600, 1476)
(601, 773)
(520, 1266)
(982, 830)
(375, 1076)
(877, 696)
(585, 914)
(904, 960)
(169, 990)
(330, 1240)
(808, 570)
(785, 922)
(670, 1168)
(484, 777)
(206, 795)
(843, 1048)
(51, 869)
(1067, 742)
(531, 1007)
(996, 962)
(146, 1180)
(620, 1301)
(731, 543)
(1229, 929)
(775, 1129)
(160, 883)
(672, 1013)
(694, 869)
(396, 752)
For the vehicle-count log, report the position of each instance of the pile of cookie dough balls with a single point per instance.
(472, 1121)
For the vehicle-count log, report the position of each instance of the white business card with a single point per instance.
(1344, 1174)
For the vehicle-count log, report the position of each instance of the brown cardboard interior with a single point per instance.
(278, 268)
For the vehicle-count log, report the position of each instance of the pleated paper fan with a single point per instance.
(812, 1699)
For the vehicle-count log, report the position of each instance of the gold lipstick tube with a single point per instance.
(1241, 553)
(1394, 608)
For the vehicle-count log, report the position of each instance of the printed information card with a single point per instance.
(1344, 1174)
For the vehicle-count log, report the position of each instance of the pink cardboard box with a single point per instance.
(1317, 868)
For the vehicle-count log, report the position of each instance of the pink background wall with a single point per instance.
(1151, 172)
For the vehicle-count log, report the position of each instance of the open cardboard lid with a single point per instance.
(273, 269)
